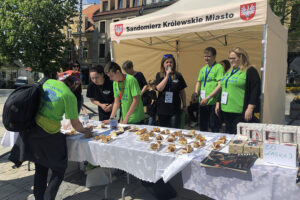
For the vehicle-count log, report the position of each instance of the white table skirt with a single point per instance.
(128, 154)
(264, 182)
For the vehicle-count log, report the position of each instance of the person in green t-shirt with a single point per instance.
(208, 88)
(127, 94)
(44, 143)
(240, 91)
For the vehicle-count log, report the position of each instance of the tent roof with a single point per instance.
(187, 16)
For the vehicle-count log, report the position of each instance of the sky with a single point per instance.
(90, 1)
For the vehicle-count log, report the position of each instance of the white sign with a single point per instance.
(280, 154)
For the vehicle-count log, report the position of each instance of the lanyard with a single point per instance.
(121, 91)
(206, 73)
(232, 73)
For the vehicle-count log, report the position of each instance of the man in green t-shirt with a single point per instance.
(208, 88)
(127, 94)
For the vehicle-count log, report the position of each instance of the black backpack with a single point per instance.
(21, 107)
(146, 98)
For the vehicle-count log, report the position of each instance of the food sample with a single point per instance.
(101, 136)
(183, 140)
(142, 131)
(196, 144)
(72, 132)
(190, 133)
(151, 134)
(154, 146)
(168, 132)
(102, 126)
(126, 128)
(222, 139)
(106, 139)
(202, 143)
(134, 129)
(144, 137)
(113, 133)
(171, 139)
(121, 129)
(178, 133)
(163, 132)
(159, 137)
(171, 148)
(200, 137)
(216, 145)
(156, 130)
(187, 149)
(96, 137)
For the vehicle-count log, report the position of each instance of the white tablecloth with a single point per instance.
(264, 182)
(129, 154)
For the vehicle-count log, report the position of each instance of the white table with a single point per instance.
(129, 154)
(264, 182)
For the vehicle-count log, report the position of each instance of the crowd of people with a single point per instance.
(225, 92)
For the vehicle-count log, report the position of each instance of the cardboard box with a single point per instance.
(236, 146)
(255, 132)
(253, 147)
(288, 134)
(241, 128)
(271, 133)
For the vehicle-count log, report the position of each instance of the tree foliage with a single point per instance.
(30, 31)
(288, 11)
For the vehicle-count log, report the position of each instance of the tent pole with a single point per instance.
(111, 50)
(262, 70)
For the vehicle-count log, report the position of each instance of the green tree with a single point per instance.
(31, 31)
(288, 11)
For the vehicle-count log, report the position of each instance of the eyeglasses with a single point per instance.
(168, 56)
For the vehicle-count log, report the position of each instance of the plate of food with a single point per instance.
(156, 146)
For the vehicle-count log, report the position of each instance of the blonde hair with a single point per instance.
(243, 56)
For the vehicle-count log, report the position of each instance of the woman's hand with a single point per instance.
(248, 114)
(217, 109)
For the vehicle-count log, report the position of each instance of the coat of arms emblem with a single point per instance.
(247, 11)
(118, 29)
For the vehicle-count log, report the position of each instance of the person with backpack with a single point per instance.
(43, 143)
(151, 108)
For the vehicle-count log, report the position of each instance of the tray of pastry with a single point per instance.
(104, 138)
(218, 144)
(156, 146)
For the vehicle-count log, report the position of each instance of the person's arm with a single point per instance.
(97, 103)
(212, 94)
(183, 98)
(134, 104)
(197, 87)
(115, 107)
(143, 90)
(77, 125)
(161, 86)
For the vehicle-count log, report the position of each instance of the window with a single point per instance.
(101, 50)
(102, 27)
(136, 3)
(121, 3)
(14, 75)
(85, 53)
(4, 75)
(153, 1)
(105, 6)
(69, 53)
(69, 32)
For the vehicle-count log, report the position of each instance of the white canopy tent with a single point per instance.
(187, 27)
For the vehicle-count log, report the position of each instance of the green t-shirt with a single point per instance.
(236, 91)
(57, 99)
(131, 89)
(215, 75)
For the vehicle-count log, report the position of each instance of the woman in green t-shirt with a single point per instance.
(240, 91)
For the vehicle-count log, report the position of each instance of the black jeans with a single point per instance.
(41, 191)
(170, 121)
(208, 118)
(103, 115)
(231, 120)
(192, 108)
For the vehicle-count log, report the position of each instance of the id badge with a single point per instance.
(202, 94)
(224, 97)
(169, 97)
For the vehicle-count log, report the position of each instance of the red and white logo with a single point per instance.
(118, 29)
(247, 11)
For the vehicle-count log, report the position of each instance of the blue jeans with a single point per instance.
(150, 121)
(170, 121)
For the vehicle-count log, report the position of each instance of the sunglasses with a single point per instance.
(168, 56)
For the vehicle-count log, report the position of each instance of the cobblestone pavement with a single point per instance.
(17, 184)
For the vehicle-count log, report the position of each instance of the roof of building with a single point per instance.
(91, 10)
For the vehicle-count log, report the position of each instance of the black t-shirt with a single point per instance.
(139, 76)
(102, 93)
(175, 86)
(151, 109)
